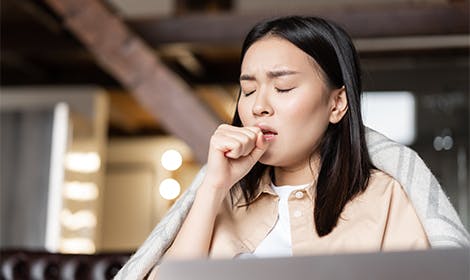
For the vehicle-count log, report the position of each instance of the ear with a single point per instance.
(339, 104)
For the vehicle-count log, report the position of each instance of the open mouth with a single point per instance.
(267, 132)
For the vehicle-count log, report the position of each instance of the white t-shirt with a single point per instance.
(278, 242)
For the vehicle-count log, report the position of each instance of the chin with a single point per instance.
(268, 159)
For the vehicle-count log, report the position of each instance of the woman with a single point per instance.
(292, 174)
(298, 119)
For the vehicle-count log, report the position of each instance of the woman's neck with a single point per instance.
(299, 174)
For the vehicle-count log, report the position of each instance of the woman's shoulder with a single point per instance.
(382, 185)
(383, 192)
(380, 178)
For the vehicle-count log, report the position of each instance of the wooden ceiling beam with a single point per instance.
(127, 58)
(227, 30)
(361, 21)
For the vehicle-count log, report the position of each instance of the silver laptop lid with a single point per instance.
(411, 265)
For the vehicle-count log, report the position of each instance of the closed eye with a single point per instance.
(248, 93)
(280, 90)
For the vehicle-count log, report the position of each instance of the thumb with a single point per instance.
(260, 148)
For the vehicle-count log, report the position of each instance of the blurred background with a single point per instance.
(106, 107)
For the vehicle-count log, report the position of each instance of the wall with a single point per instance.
(132, 203)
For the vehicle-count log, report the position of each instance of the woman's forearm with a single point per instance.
(194, 238)
(232, 153)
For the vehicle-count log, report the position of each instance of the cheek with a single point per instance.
(307, 107)
(243, 112)
(310, 116)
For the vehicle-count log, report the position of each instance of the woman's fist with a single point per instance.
(232, 153)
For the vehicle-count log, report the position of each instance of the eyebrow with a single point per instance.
(270, 74)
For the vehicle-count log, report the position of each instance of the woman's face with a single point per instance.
(283, 93)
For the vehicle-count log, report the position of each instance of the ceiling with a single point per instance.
(200, 42)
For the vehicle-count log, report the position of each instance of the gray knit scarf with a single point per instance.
(440, 220)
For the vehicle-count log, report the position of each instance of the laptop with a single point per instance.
(436, 264)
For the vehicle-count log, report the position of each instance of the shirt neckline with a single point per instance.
(265, 188)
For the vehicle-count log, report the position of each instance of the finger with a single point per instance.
(251, 132)
(242, 146)
(247, 140)
(222, 143)
(253, 129)
(261, 147)
(243, 134)
(229, 146)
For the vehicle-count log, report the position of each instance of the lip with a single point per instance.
(269, 133)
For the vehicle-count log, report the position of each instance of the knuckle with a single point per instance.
(222, 126)
(256, 129)
(214, 139)
(243, 138)
(237, 145)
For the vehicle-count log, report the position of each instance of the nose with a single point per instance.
(262, 106)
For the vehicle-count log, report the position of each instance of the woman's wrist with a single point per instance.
(212, 191)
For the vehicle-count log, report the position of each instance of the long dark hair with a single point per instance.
(344, 158)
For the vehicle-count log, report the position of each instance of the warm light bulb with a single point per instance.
(171, 160)
(78, 220)
(81, 191)
(82, 162)
(169, 189)
(77, 245)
